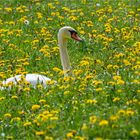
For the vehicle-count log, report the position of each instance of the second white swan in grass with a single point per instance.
(64, 34)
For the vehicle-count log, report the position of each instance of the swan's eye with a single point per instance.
(74, 35)
(72, 32)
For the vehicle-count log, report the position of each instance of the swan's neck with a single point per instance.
(64, 55)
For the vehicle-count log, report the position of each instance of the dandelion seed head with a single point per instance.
(26, 22)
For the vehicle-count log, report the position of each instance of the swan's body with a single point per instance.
(34, 79)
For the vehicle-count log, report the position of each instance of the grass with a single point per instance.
(102, 99)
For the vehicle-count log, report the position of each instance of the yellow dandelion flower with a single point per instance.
(35, 41)
(56, 69)
(40, 133)
(115, 67)
(66, 92)
(35, 107)
(84, 127)
(116, 99)
(48, 138)
(98, 138)
(114, 118)
(126, 62)
(43, 101)
(22, 112)
(92, 119)
(119, 91)
(111, 83)
(91, 101)
(120, 82)
(54, 118)
(96, 82)
(84, 63)
(109, 66)
(121, 112)
(8, 9)
(39, 15)
(130, 112)
(117, 77)
(16, 119)
(103, 123)
(14, 97)
(98, 89)
(27, 89)
(39, 86)
(2, 98)
(7, 115)
(27, 124)
(69, 135)
(134, 132)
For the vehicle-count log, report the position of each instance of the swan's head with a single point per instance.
(67, 32)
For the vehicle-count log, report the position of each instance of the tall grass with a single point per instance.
(102, 98)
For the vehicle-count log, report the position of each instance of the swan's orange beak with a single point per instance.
(76, 37)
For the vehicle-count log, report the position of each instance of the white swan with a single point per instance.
(64, 34)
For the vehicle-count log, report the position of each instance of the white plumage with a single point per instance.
(34, 79)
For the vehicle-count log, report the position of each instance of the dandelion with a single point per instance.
(130, 112)
(103, 123)
(39, 15)
(48, 138)
(84, 127)
(8, 9)
(84, 63)
(98, 89)
(97, 82)
(109, 66)
(80, 138)
(2, 98)
(22, 112)
(116, 99)
(92, 119)
(126, 62)
(119, 91)
(111, 83)
(40, 133)
(27, 124)
(26, 22)
(66, 92)
(39, 86)
(98, 138)
(120, 82)
(69, 135)
(117, 78)
(134, 132)
(54, 118)
(14, 97)
(43, 101)
(114, 118)
(56, 69)
(91, 101)
(16, 119)
(7, 115)
(121, 112)
(35, 107)
(26, 89)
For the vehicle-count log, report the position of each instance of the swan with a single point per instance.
(64, 34)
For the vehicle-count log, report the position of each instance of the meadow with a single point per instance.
(102, 98)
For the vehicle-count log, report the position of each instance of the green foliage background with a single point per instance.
(102, 98)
